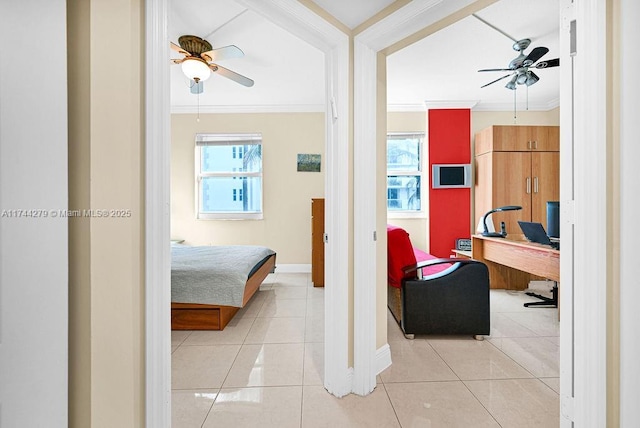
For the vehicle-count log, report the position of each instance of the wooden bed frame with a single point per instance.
(192, 316)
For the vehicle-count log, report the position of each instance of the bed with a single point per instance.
(210, 284)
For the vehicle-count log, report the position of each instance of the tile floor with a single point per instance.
(265, 369)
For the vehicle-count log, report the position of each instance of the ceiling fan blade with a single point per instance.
(177, 60)
(535, 55)
(226, 52)
(494, 69)
(178, 49)
(546, 64)
(239, 78)
(497, 80)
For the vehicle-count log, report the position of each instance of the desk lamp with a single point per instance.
(485, 231)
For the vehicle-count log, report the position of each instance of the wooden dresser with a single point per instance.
(317, 242)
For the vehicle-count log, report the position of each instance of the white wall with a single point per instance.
(106, 255)
(33, 250)
(483, 119)
(629, 206)
(287, 193)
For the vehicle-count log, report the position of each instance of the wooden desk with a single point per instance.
(513, 262)
(463, 254)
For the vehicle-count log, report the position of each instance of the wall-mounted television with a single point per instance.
(447, 176)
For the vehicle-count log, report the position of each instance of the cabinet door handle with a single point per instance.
(535, 144)
(528, 184)
(529, 145)
(535, 184)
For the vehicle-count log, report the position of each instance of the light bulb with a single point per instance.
(196, 69)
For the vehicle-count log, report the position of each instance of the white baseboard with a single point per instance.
(293, 268)
(383, 358)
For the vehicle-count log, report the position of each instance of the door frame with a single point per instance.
(370, 50)
(589, 333)
(157, 218)
(300, 21)
(586, 337)
(629, 152)
(584, 203)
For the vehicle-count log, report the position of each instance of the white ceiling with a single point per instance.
(288, 72)
(440, 69)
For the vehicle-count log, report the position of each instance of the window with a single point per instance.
(404, 172)
(229, 176)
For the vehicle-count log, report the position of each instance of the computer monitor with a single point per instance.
(553, 219)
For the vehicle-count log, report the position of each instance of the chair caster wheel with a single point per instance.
(478, 337)
(409, 336)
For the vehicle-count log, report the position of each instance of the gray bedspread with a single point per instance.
(213, 275)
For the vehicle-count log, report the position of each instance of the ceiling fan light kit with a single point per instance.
(196, 69)
(531, 78)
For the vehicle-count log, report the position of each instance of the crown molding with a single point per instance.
(284, 108)
(520, 106)
(392, 108)
(554, 103)
(406, 108)
(429, 105)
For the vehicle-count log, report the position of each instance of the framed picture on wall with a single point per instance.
(308, 163)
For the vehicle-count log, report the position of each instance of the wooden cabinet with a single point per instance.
(528, 177)
(508, 138)
(317, 242)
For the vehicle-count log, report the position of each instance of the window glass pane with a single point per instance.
(403, 153)
(403, 192)
(231, 194)
(227, 158)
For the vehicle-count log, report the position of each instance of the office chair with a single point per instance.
(545, 301)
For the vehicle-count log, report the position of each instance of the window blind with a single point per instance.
(227, 139)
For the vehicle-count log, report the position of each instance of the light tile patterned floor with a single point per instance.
(265, 369)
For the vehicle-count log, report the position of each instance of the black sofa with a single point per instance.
(437, 296)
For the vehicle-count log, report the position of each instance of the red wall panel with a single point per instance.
(449, 209)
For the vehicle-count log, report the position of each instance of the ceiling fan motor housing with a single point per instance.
(521, 45)
(194, 44)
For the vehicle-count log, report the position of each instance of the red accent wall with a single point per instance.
(449, 209)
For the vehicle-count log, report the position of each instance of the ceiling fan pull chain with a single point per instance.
(198, 118)
(514, 107)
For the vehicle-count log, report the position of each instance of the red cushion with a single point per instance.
(401, 253)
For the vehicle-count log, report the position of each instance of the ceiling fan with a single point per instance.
(520, 67)
(198, 62)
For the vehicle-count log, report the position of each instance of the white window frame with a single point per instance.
(422, 172)
(212, 139)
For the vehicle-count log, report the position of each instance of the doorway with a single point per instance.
(294, 17)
